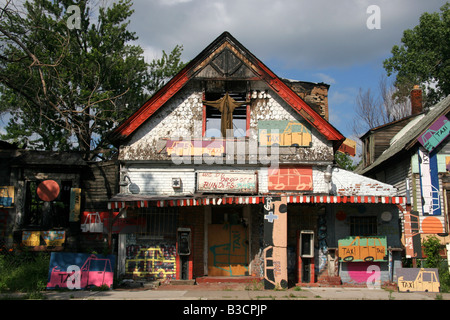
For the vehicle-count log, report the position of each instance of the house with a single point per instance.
(228, 171)
(412, 155)
(45, 194)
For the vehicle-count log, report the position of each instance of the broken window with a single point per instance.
(226, 108)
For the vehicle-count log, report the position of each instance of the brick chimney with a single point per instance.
(416, 100)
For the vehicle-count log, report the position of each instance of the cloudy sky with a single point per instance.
(318, 41)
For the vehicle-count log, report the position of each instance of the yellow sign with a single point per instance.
(31, 238)
(356, 249)
(6, 196)
(415, 279)
(284, 133)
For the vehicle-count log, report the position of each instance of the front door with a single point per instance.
(227, 250)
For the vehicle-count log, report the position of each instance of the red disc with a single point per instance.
(48, 190)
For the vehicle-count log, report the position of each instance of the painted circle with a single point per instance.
(432, 225)
(48, 190)
(386, 216)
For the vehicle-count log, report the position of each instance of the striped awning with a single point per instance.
(224, 200)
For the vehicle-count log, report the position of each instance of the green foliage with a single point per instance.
(66, 86)
(344, 161)
(161, 70)
(24, 272)
(431, 247)
(424, 56)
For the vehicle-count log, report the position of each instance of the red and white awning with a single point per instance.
(224, 200)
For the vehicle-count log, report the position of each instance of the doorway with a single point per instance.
(228, 249)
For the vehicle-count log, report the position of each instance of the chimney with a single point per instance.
(416, 100)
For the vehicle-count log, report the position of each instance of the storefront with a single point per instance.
(238, 237)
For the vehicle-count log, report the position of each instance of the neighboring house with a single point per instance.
(412, 154)
(44, 196)
(229, 171)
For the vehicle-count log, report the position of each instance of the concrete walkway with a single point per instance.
(243, 293)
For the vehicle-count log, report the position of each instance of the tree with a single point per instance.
(344, 161)
(424, 57)
(373, 110)
(68, 73)
(163, 69)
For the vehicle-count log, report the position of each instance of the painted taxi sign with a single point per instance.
(284, 133)
(358, 249)
(212, 148)
(415, 279)
(435, 134)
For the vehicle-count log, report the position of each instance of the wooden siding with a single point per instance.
(100, 183)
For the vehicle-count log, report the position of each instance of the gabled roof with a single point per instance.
(250, 66)
(406, 138)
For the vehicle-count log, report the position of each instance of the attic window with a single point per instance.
(213, 116)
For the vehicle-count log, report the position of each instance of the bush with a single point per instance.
(24, 271)
(431, 248)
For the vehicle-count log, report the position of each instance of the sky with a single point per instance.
(342, 43)
(316, 41)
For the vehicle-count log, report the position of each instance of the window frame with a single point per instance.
(216, 96)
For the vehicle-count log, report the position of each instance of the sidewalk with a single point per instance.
(235, 292)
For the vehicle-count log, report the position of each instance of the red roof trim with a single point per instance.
(177, 82)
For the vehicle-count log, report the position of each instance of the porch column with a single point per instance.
(275, 243)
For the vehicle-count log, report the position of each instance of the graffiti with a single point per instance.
(228, 250)
(151, 262)
(79, 270)
(293, 178)
(362, 249)
(322, 242)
